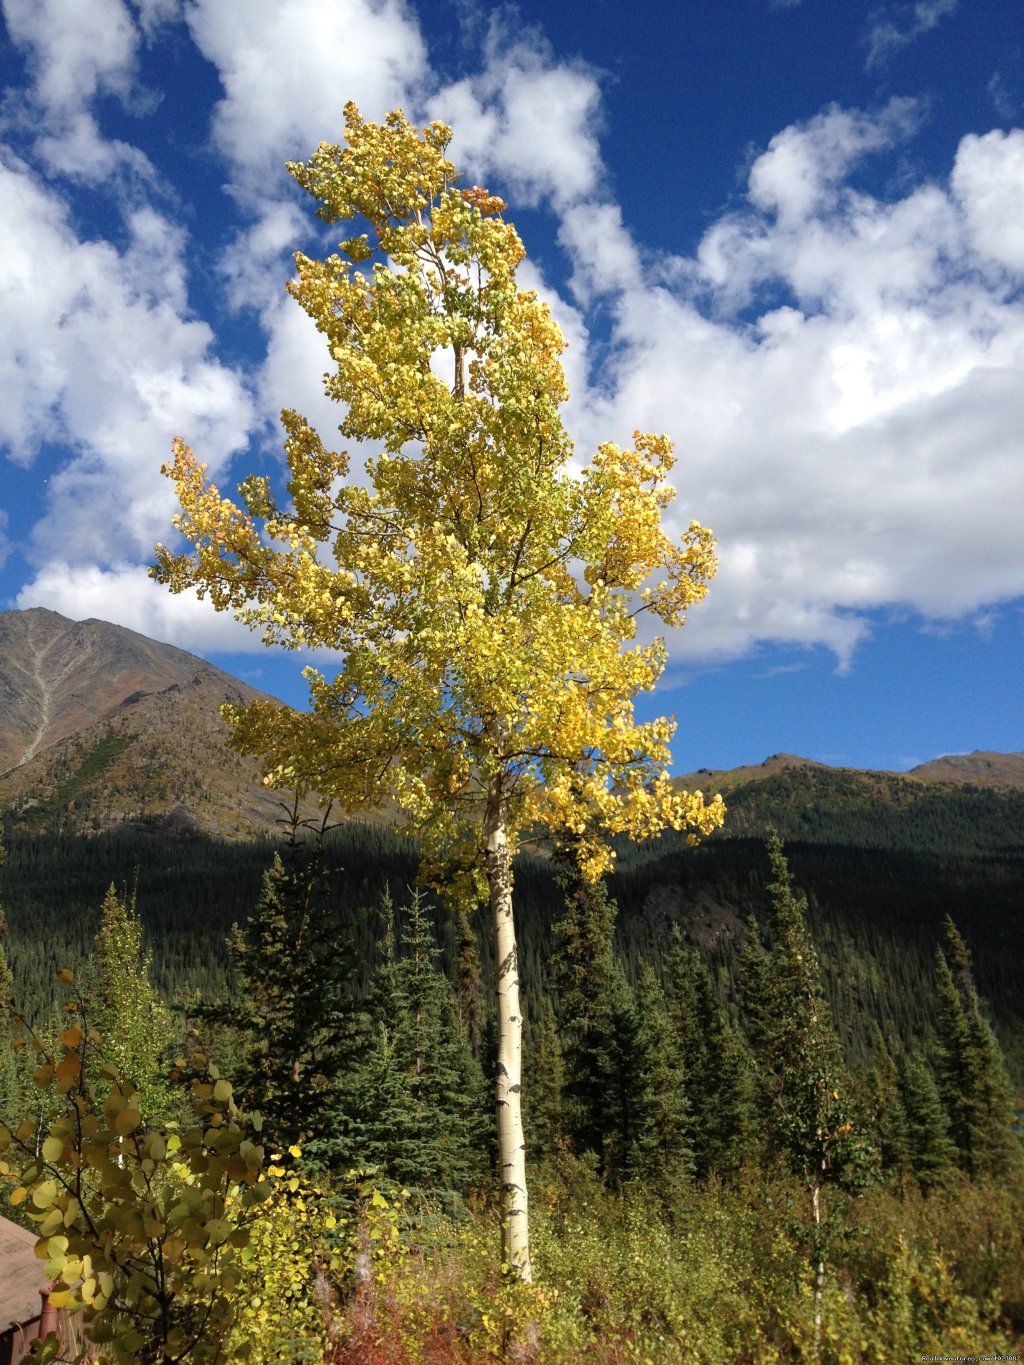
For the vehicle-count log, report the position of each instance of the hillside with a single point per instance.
(115, 749)
(960, 803)
(101, 728)
(983, 768)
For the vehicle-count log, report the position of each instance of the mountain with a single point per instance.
(983, 768)
(101, 727)
(107, 734)
(980, 769)
(972, 803)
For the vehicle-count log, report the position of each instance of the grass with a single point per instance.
(722, 1280)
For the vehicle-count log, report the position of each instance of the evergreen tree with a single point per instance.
(291, 1008)
(544, 1099)
(471, 1001)
(417, 1105)
(884, 1103)
(660, 1153)
(972, 1076)
(715, 1071)
(617, 1056)
(796, 1054)
(929, 1152)
(625, 1100)
(134, 1024)
(587, 987)
(9, 1087)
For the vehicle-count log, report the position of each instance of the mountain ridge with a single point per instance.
(102, 727)
(980, 768)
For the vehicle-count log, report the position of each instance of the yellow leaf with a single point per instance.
(44, 1194)
(53, 1149)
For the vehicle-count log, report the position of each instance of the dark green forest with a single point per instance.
(802, 1040)
(882, 870)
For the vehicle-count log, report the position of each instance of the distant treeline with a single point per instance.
(876, 909)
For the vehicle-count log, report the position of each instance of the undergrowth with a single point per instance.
(724, 1278)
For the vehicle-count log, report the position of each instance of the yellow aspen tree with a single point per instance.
(482, 597)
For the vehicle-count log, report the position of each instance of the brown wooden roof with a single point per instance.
(21, 1275)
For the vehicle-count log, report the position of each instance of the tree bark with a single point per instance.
(508, 1087)
(819, 1278)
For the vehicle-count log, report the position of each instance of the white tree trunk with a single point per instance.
(819, 1279)
(508, 1089)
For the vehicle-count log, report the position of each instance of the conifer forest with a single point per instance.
(521, 1050)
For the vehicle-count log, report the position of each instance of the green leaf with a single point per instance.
(43, 1195)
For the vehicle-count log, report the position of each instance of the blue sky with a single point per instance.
(791, 235)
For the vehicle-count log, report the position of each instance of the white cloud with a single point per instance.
(859, 447)
(75, 54)
(124, 595)
(988, 180)
(605, 258)
(153, 14)
(288, 67)
(526, 120)
(805, 164)
(842, 371)
(75, 51)
(98, 353)
(898, 26)
(1005, 98)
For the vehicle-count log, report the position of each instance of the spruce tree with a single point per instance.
(972, 1076)
(661, 1154)
(929, 1152)
(884, 1101)
(715, 1070)
(589, 992)
(796, 1053)
(9, 1088)
(613, 1087)
(134, 1024)
(417, 1105)
(471, 998)
(291, 1007)
(544, 1099)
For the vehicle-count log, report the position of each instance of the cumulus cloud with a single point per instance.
(527, 119)
(74, 55)
(98, 353)
(74, 52)
(859, 446)
(123, 594)
(289, 66)
(841, 370)
(988, 181)
(804, 166)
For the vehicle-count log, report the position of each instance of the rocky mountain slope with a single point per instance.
(101, 727)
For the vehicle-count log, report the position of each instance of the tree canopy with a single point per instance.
(481, 592)
(484, 596)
